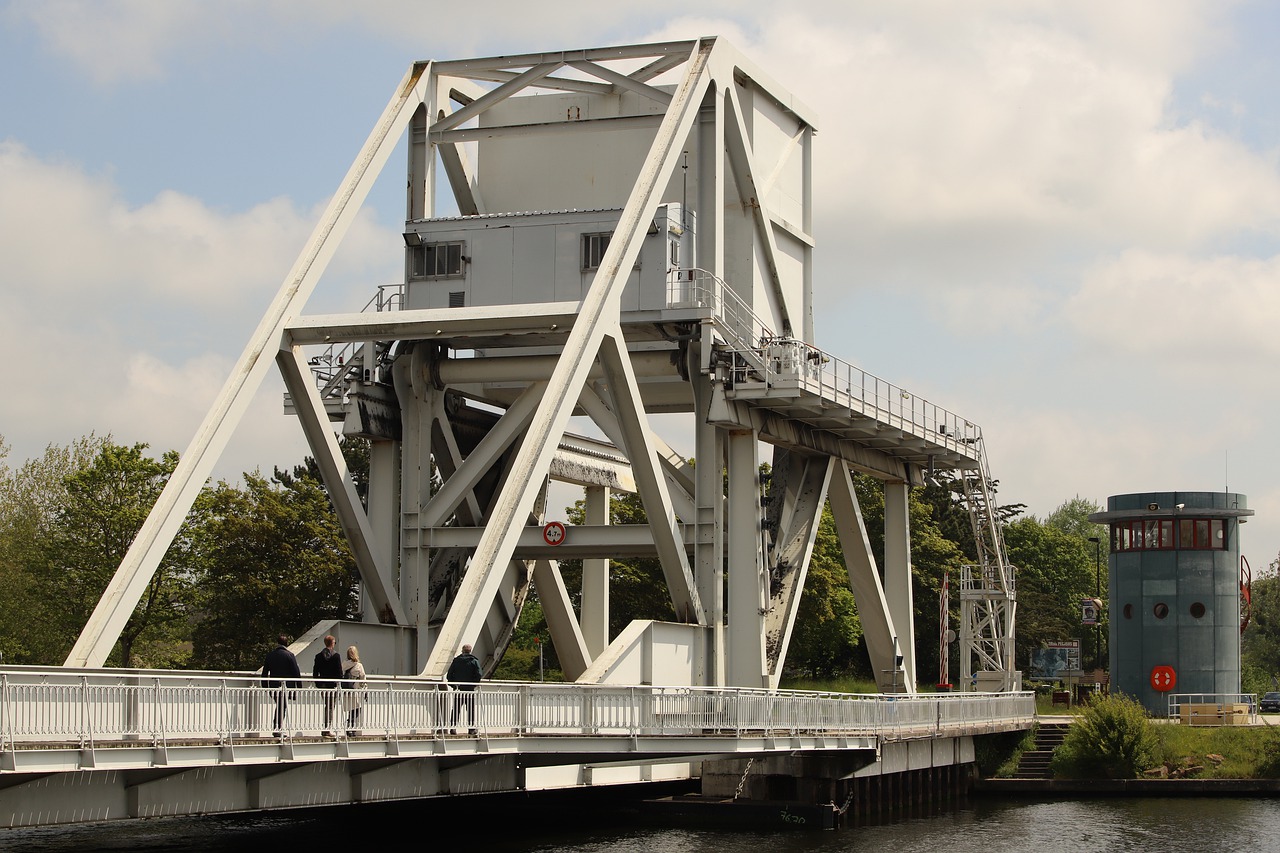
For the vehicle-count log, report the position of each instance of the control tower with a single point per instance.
(1174, 573)
(627, 234)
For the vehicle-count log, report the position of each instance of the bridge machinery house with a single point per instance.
(617, 270)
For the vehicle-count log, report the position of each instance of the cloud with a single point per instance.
(128, 318)
(1200, 314)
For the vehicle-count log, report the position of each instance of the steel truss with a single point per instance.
(469, 407)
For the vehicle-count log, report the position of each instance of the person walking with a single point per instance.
(464, 673)
(280, 673)
(354, 681)
(328, 665)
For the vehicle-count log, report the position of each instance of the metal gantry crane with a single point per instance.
(626, 253)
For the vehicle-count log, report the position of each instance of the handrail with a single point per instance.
(118, 710)
(778, 358)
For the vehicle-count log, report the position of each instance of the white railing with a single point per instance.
(42, 708)
(1209, 709)
(782, 361)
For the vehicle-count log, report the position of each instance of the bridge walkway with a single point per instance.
(93, 745)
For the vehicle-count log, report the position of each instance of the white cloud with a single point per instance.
(1213, 314)
(1006, 182)
(126, 320)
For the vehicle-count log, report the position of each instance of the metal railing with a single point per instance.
(46, 708)
(1213, 709)
(333, 365)
(782, 361)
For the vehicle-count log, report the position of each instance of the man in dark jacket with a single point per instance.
(328, 665)
(464, 673)
(281, 664)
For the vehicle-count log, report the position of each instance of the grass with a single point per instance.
(1216, 752)
(830, 685)
(1001, 751)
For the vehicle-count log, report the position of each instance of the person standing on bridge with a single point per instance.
(328, 665)
(464, 673)
(354, 680)
(281, 664)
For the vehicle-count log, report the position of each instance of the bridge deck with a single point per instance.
(96, 745)
(64, 720)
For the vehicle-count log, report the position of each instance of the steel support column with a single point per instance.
(897, 574)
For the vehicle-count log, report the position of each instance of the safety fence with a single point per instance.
(782, 361)
(50, 708)
(1213, 709)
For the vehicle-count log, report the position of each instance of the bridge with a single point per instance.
(101, 745)
(664, 271)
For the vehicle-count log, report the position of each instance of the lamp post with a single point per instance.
(1097, 592)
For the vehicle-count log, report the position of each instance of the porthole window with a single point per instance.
(1128, 611)
(1197, 610)
(1161, 610)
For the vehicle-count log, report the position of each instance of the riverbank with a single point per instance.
(1128, 787)
(1223, 760)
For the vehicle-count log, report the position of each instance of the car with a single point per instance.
(1270, 703)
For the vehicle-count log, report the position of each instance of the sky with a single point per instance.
(1058, 220)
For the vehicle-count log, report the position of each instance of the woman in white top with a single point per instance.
(354, 679)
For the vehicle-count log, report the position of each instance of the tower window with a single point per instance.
(1192, 534)
(593, 249)
(437, 260)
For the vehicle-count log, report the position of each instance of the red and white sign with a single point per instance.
(1163, 678)
(553, 533)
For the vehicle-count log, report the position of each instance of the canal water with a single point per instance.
(985, 825)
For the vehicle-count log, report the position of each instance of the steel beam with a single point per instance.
(377, 574)
(598, 312)
(166, 517)
(873, 610)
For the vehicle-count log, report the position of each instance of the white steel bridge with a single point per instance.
(101, 745)
(663, 267)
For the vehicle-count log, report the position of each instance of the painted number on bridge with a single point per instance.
(553, 533)
(1163, 678)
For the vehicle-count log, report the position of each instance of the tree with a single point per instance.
(355, 452)
(1055, 570)
(274, 560)
(1260, 646)
(1072, 518)
(33, 628)
(826, 639)
(106, 504)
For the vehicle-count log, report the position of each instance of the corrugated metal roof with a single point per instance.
(521, 213)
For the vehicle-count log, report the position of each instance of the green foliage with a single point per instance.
(530, 656)
(998, 754)
(1260, 645)
(1219, 752)
(106, 503)
(1072, 518)
(1113, 739)
(1268, 754)
(824, 643)
(637, 586)
(35, 628)
(839, 684)
(274, 560)
(1055, 570)
(355, 452)
(66, 521)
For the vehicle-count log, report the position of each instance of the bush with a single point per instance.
(1269, 754)
(1113, 739)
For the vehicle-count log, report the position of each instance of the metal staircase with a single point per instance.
(988, 597)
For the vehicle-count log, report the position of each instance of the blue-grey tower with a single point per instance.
(1174, 582)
